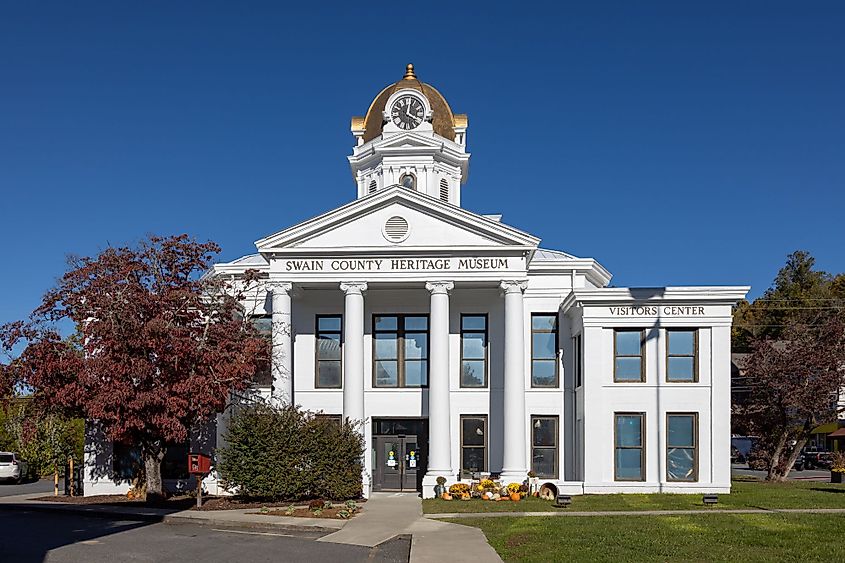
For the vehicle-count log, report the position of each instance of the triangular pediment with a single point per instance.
(397, 219)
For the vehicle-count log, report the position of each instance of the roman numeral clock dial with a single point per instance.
(407, 112)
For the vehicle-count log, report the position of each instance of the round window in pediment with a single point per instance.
(396, 229)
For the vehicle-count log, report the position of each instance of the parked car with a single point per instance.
(817, 459)
(12, 468)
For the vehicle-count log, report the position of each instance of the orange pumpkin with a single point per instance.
(515, 496)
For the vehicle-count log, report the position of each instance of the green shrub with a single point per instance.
(285, 453)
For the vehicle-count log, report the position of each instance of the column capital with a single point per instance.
(278, 286)
(439, 286)
(353, 287)
(513, 286)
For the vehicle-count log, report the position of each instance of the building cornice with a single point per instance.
(711, 295)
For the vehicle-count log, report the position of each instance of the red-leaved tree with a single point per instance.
(795, 387)
(158, 348)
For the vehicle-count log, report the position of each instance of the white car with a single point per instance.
(12, 468)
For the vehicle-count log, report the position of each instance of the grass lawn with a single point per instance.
(793, 494)
(713, 537)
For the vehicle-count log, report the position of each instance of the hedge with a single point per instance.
(289, 454)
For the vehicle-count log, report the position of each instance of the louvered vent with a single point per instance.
(444, 190)
(396, 229)
(372, 188)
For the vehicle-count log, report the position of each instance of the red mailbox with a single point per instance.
(199, 464)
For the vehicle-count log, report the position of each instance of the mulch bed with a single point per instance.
(307, 513)
(181, 502)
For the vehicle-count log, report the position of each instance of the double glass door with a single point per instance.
(398, 463)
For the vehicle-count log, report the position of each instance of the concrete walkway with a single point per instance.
(386, 515)
(457, 515)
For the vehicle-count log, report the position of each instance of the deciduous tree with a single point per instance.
(795, 384)
(158, 351)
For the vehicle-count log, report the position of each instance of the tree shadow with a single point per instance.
(828, 490)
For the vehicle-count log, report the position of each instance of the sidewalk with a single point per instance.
(391, 514)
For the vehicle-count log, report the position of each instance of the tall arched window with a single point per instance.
(372, 187)
(444, 190)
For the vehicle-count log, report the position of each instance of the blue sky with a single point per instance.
(676, 143)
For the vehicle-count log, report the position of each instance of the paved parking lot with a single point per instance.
(30, 536)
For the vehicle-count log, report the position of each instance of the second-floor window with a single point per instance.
(681, 353)
(629, 353)
(264, 325)
(544, 346)
(473, 350)
(400, 351)
(329, 357)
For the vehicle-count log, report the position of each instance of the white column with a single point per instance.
(353, 351)
(353, 366)
(439, 423)
(282, 352)
(514, 463)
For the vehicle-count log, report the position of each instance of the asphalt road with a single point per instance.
(29, 536)
(806, 475)
(43, 486)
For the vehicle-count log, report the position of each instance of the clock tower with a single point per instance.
(410, 137)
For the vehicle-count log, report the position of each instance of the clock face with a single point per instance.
(407, 112)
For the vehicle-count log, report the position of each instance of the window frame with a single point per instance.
(400, 349)
(694, 355)
(694, 448)
(483, 447)
(317, 360)
(486, 358)
(556, 332)
(578, 360)
(642, 447)
(257, 379)
(641, 355)
(556, 418)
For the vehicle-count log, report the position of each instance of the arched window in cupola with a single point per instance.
(372, 187)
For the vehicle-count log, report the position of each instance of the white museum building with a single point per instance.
(467, 349)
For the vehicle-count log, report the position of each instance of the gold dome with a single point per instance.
(442, 119)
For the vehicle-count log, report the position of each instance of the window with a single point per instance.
(408, 181)
(400, 350)
(577, 360)
(682, 447)
(473, 444)
(329, 358)
(629, 464)
(629, 352)
(473, 350)
(444, 190)
(264, 325)
(126, 461)
(333, 418)
(175, 462)
(681, 355)
(544, 348)
(544, 446)
(372, 187)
